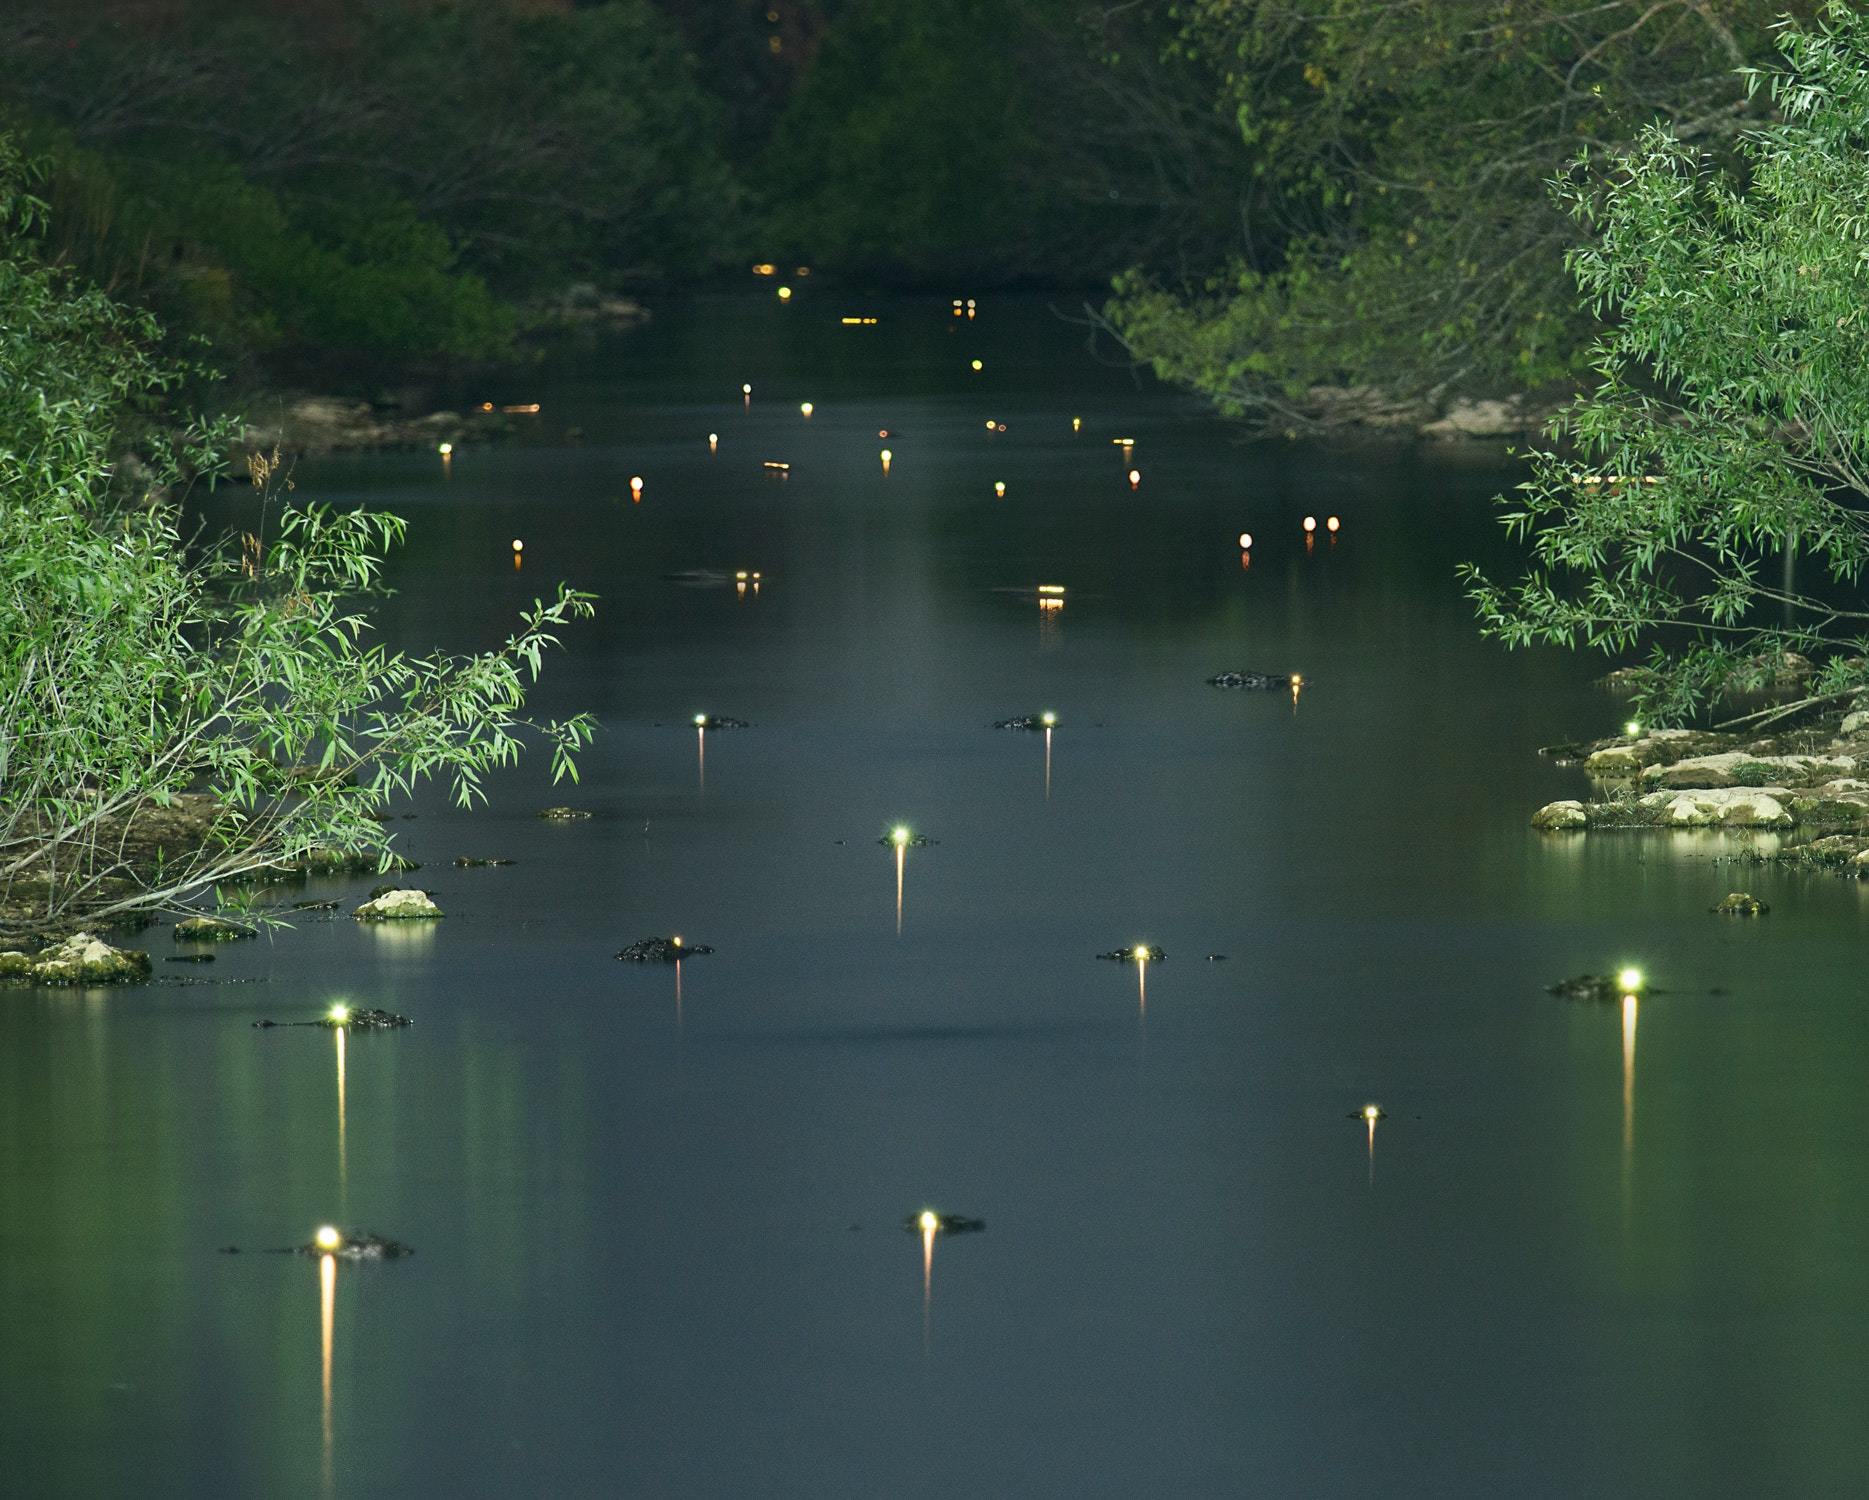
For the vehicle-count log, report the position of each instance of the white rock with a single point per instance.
(394, 906)
(1732, 807)
(1856, 721)
(1556, 815)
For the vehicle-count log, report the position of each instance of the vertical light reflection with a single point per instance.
(343, 1156)
(928, 1225)
(1369, 1118)
(1048, 763)
(902, 854)
(1629, 1007)
(1142, 990)
(700, 756)
(678, 993)
(327, 1321)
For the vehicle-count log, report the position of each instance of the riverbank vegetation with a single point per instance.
(1708, 494)
(177, 712)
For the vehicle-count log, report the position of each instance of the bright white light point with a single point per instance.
(518, 546)
(930, 1220)
(805, 407)
(1135, 476)
(1632, 728)
(1142, 952)
(1630, 980)
(340, 1013)
(785, 294)
(676, 940)
(700, 721)
(900, 835)
(327, 1238)
(635, 481)
(713, 437)
(887, 455)
(999, 487)
(978, 365)
(1048, 718)
(1332, 524)
(1371, 1111)
(746, 390)
(444, 449)
(1245, 541)
(1310, 523)
(1077, 424)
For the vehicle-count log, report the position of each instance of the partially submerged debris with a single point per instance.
(1136, 953)
(562, 814)
(1740, 904)
(469, 862)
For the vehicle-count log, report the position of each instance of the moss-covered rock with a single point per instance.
(81, 959)
(1740, 904)
(206, 929)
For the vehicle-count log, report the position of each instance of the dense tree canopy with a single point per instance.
(1399, 235)
(1712, 494)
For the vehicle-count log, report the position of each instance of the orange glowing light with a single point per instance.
(1310, 524)
(1077, 424)
(1332, 524)
(999, 488)
(527, 409)
(764, 268)
(1135, 478)
(713, 441)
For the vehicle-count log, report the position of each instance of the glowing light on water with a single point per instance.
(976, 365)
(1135, 478)
(713, 442)
(635, 485)
(327, 1238)
(1633, 729)
(805, 408)
(1077, 424)
(1245, 541)
(1310, 525)
(1630, 1005)
(1629, 980)
(327, 1330)
(446, 450)
(999, 488)
(518, 545)
(785, 294)
(887, 456)
(1332, 524)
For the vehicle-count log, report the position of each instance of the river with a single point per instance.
(659, 1213)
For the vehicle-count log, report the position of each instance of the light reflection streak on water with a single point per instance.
(1048, 763)
(343, 1155)
(1370, 1120)
(1142, 991)
(1630, 1005)
(700, 755)
(928, 1239)
(678, 993)
(902, 855)
(327, 1321)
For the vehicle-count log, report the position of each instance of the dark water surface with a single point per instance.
(659, 1229)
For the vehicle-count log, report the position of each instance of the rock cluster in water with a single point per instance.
(562, 814)
(945, 1224)
(655, 950)
(1740, 904)
(470, 862)
(720, 721)
(1134, 952)
(913, 841)
(82, 958)
(211, 930)
(1260, 682)
(1030, 722)
(397, 906)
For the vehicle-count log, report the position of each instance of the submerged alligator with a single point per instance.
(1261, 682)
(655, 950)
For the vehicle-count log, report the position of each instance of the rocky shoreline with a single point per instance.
(1808, 783)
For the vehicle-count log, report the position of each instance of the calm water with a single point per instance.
(659, 1219)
